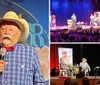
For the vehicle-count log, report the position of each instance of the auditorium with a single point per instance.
(73, 69)
(74, 20)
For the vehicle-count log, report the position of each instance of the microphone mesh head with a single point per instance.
(3, 51)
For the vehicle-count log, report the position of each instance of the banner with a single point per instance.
(65, 60)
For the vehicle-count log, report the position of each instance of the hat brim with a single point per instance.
(84, 59)
(21, 23)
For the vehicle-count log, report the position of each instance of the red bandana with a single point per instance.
(11, 48)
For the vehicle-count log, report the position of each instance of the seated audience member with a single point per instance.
(85, 81)
(67, 81)
(97, 82)
(73, 82)
(51, 83)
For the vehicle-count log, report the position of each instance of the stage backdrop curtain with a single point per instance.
(63, 9)
(54, 59)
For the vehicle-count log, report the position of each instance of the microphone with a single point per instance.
(2, 54)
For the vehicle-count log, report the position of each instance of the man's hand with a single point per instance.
(2, 65)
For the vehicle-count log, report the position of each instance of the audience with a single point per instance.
(75, 36)
(67, 81)
(73, 82)
(85, 81)
(98, 82)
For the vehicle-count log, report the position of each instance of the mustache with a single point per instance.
(6, 37)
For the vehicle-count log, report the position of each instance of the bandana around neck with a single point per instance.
(10, 48)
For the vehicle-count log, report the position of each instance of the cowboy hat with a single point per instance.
(84, 59)
(11, 16)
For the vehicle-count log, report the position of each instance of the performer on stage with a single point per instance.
(50, 18)
(73, 17)
(92, 19)
(20, 65)
(65, 62)
(97, 19)
(85, 68)
(53, 21)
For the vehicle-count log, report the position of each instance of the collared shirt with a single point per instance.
(73, 17)
(23, 67)
(85, 66)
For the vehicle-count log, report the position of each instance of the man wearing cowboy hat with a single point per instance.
(20, 65)
(65, 58)
(85, 68)
(65, 62)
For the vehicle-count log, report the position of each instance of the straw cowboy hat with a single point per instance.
(84, 59)
(22, 23)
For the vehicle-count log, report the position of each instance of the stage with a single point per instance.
(59, 80)
(83, 27)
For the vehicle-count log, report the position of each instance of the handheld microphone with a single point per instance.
(2, 54)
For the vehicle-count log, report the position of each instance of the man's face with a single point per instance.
(83, 61)
(64, 54)
(9, 33)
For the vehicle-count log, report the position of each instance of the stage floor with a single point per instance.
(66, 27)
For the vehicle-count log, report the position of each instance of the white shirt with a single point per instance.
(85, 65)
